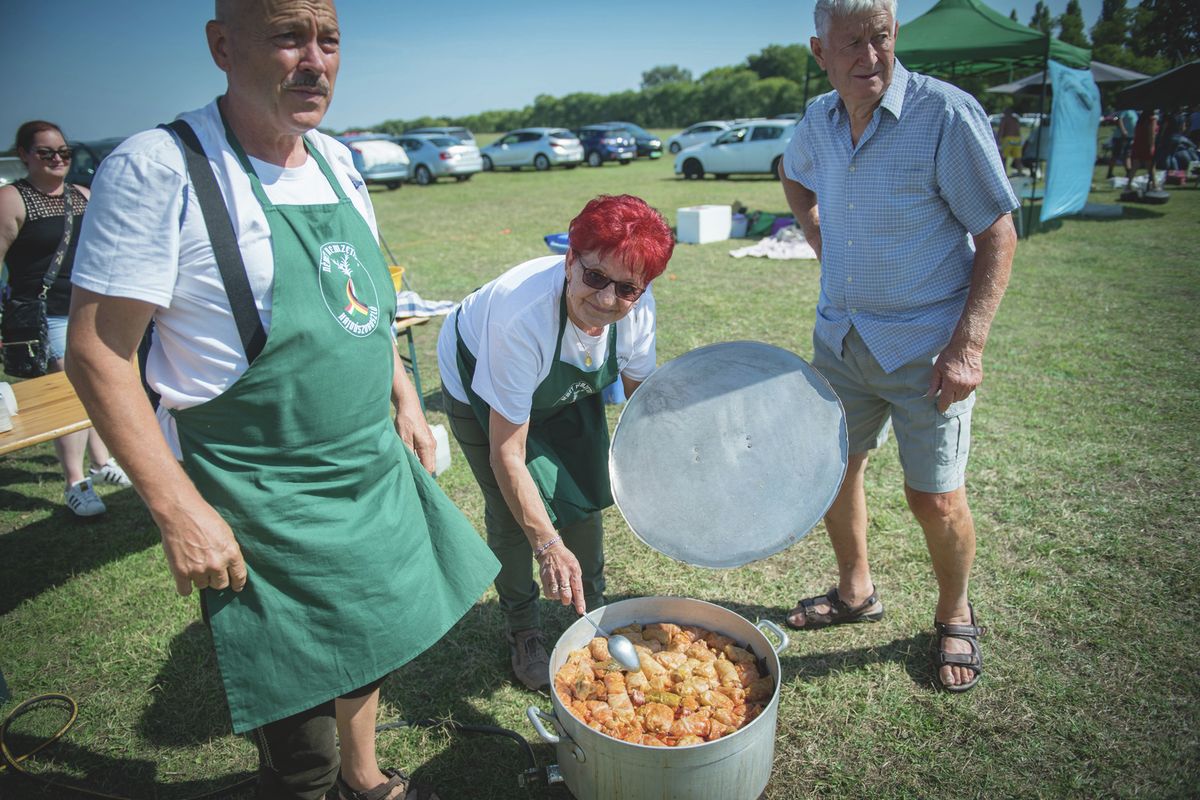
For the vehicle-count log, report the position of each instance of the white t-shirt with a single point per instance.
(510, 325)
(144, 238)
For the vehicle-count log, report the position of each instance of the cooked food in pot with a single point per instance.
(694, 686)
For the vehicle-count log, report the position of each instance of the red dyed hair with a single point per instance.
(624, 227)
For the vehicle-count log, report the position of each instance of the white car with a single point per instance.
(540, 148)
(696, 134)
(752, 147)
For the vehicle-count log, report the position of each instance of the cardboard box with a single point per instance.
(702, 224)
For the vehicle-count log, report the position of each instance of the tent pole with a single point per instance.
(1037, 145)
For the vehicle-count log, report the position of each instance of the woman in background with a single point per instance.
(32, 222)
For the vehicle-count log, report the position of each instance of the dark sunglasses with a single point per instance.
(597, 280)
(46, 154)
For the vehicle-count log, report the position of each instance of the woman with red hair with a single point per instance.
(523, 362)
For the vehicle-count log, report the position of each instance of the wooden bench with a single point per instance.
(47, 408)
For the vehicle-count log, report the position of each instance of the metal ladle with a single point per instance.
(620, 648)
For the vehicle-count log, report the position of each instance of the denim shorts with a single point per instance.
(933, 445)
(58, 336)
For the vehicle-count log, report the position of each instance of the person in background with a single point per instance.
(1123, 142)
(1010, 139)
(523, 363)
(914, 262)
(32, 221)
(1142, 151)
(284, 489)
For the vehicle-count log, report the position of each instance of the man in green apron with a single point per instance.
(523, 362)
(283, 488)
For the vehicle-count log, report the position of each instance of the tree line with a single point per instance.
(1151, 37)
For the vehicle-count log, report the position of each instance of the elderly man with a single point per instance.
(895, 179)
(283, 489)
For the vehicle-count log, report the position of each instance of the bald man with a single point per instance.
(282, 485)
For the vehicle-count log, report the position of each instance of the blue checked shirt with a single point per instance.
(896, 213)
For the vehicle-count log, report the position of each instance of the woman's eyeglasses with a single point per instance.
(597, 280)
(47, 154)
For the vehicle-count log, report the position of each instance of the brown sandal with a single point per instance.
(396, 779)
(870, 610)
(972, 660)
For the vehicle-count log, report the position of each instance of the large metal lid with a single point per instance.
(728, 454)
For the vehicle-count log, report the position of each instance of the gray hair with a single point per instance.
(826, 10)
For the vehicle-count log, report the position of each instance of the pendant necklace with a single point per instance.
(587, 360)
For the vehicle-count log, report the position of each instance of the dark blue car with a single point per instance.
(606, 143)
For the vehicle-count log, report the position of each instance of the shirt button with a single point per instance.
(854, 311)
(852, 168)
(849, 243)
(849, 279)
(851, 205)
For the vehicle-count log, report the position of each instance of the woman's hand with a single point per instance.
(561, 577)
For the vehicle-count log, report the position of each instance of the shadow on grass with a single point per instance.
(54, 549)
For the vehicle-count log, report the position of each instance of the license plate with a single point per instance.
(656, 153)
(626, 155)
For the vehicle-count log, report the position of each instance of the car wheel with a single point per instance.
(775, 167)
(594, 159)
(693, 170)
(423, 175)
(541, 163)
(675, 148)
(392, 185)
(487, 164)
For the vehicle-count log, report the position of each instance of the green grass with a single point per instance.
(1083, 481)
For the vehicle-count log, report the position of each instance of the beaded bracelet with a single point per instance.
(538, 551)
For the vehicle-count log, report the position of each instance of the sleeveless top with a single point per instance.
(29, 256)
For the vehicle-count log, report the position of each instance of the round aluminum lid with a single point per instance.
(728, 454)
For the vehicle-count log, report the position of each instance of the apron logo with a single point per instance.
(347, 289)
(575, 391)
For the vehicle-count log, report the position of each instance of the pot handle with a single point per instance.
(784, 641)
(536, 715)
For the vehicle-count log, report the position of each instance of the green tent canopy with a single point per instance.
(965, 37)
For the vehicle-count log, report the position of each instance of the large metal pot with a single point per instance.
(598, 767)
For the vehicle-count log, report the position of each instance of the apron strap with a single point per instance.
(223, 239)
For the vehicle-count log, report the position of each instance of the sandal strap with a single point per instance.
(396, 778)
(844, 609)
(960, 631)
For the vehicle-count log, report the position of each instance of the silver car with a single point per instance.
(698, 133)
(431, 155)
(540, 148)
(462, 134)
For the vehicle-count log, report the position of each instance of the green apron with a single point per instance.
(357, 561)
(566, 449)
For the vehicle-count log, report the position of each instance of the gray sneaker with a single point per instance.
(82, 499)
(530, 662)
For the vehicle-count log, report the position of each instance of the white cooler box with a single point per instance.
(701, 224)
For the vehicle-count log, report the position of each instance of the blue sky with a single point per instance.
(112, 67)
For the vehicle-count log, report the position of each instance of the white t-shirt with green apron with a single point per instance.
(522, 317)
(357, 561)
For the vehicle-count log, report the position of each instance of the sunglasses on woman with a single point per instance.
(47, 154)
(597, 280)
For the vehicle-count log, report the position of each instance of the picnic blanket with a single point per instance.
(411, 304)
(786, 243)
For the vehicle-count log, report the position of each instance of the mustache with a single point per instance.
(308, 80)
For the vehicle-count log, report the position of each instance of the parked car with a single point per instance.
(540, 148)
(696, 134)
(378, 159)
(86, 158)
(606, 143)
(462, 134)
(432, 155)
(648, 144)
(12, 169)
(753, 147)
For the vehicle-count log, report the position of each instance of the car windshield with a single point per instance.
(444, 141)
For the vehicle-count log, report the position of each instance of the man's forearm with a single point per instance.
(994, 250)
(803, 204)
